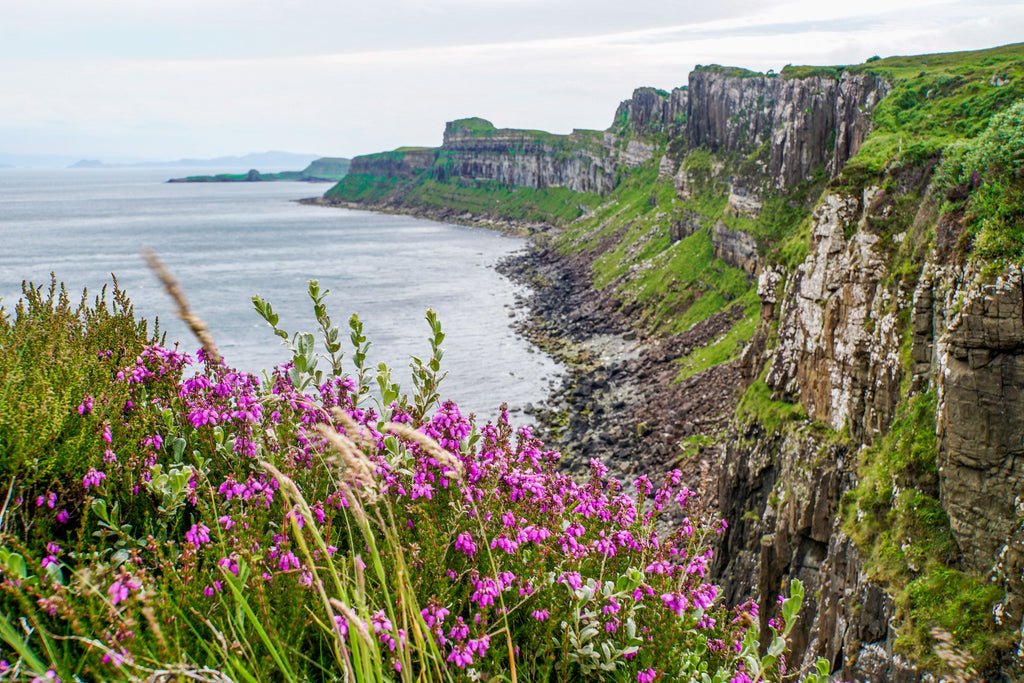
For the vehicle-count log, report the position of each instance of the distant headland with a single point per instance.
(325, 169)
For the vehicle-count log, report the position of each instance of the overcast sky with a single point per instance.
(165, 79)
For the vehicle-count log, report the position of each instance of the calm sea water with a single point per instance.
(228, 241)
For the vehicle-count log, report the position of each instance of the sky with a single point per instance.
(166, 79)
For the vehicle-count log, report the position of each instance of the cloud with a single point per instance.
(354, 101)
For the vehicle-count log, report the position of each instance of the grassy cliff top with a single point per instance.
(939, 99)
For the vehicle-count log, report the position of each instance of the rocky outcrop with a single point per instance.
(651, 110)
(735, 247)
(838, 357)
(792, 126)
(856, 98)
(581, 161)
(969, 340)
(801, 123)
(839, 353)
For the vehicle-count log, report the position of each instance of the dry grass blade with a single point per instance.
(433, 448)
(353, 430)
(175, 675)
(194, 322)
(359, 471)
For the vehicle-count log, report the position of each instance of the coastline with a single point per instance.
(618, 401)
(515, 228)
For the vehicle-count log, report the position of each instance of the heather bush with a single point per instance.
(305, 527)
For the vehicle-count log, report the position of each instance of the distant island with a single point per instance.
(272, 159)
(326, 169)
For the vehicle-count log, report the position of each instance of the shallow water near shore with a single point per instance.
(228, 241)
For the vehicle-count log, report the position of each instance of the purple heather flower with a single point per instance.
(63, 516)
(198, 535)
(121, 590)
(460, 656)
(647, 676)
(465, 543)
(86, 406)
(93, 477)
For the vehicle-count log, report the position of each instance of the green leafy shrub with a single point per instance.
(61, 399)
(983, 178)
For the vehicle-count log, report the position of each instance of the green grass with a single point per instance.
(757, 404)
(791, 71)
(726, 348)
(361, 187)
(895, 518)
(488, 198)
(938, 99)
(733, 71)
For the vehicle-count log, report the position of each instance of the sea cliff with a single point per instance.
(798, 288)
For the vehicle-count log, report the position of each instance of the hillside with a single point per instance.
(823, 269)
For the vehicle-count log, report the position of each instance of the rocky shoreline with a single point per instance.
(517, 228)
(618, 401)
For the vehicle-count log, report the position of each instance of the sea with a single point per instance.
(226, 242)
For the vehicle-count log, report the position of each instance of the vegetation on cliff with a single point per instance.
(933, 176)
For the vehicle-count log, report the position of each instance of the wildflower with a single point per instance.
(460, 656)
(433, 614)
(341, 623)
(117, 658)
(539, 614)
(573, 579)
(465, 543)
(288, 560)
(226, 522)
(121, 590)
(646, 676)
(480, 645)
(63, 516)
(85, 407)
(228, 564)
(198, 535)
(93, 477)
(675, 602)
(53, 549)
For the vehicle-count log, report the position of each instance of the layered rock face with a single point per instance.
(796, 125)
(650, 110)
(806, 122)
(976, 359)
(581, 162)
(838, 357)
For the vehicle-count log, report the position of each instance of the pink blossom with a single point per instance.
(465, 543)
(86, 406)
(198, 535)
(93, 477)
